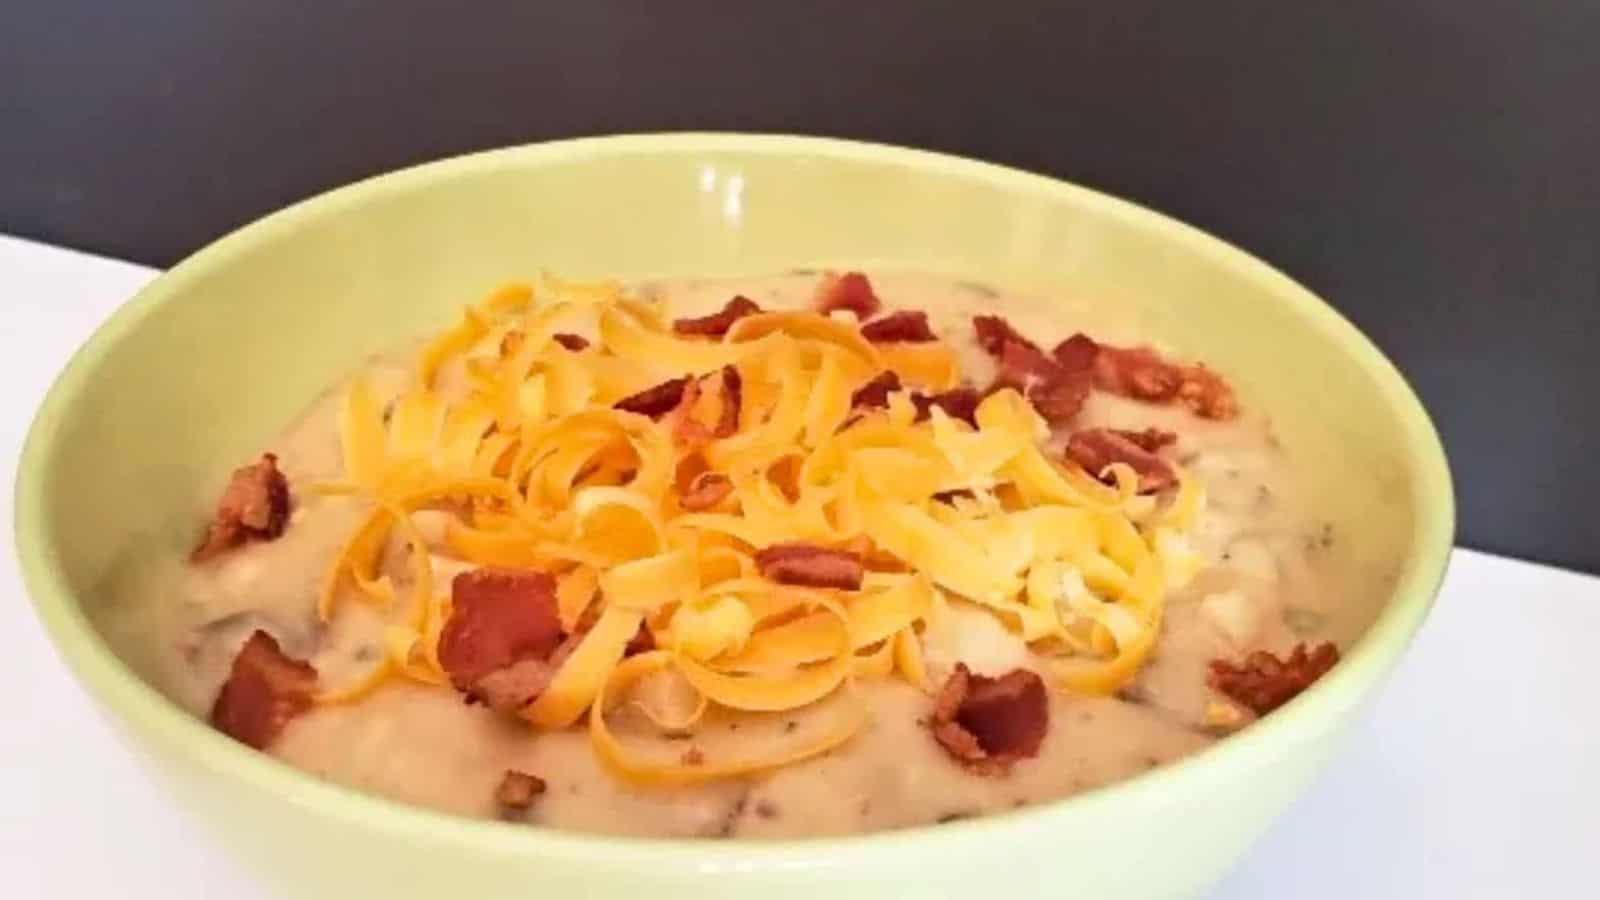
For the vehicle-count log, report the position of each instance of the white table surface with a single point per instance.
(1476, 773)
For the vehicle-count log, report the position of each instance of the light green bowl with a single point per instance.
(213, 357)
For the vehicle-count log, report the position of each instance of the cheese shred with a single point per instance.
(513, 437)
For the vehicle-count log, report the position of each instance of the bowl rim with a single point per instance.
(139, 706)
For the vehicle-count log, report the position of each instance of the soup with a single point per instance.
(786, 556)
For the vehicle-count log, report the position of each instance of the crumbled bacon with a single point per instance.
(518, 790)
(657, 401)
(253, 507)
(1141, 373)
(1096, 448)
(988, 724)
(573, 342)
(851, 291)
(689, 428)
(1057, 392)
(718, 323)
(265, 689)
(503, 628)
(993, 333)
(732, 397)
(1206, 394)
(1076, 353)
(706, 491)
(875, 393)
(906, 325)
(957, 403)
(1136, 372)
(1151, 439)
(643, 641)
(808, 565)
(1263, 682)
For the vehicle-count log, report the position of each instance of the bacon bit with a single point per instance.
(657, 401)
(1151, 439)
(694, 756)
(951, 497)
(573, 342)
(498, 643)
(1263, 682)
(1077, 353)
(1056, 391)
(1142, 374)
(957, 403)
(993, 333)
(906, 325)
(1060, 400)
(1136, 372)
(1206, 394)
(643, 641)
(807, 565)
(706, 491)
(264, 691)
(1097, 448)
(717, 324)
(518, 790)
(851, 291)
(732, 398)
(689, 428)
(254, 506)
(987, 724)
(515, 686)
(875, 393)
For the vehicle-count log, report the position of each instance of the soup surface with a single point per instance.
(1101, 519)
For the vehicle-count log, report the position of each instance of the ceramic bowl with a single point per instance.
(212, 357)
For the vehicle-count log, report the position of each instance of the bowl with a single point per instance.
(211, 358)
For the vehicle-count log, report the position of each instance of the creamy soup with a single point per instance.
(1145, 652)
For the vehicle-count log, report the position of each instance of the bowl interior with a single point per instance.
(215, 356)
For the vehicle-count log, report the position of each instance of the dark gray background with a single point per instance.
(1430, 167)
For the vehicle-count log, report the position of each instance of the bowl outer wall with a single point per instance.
(272, 312)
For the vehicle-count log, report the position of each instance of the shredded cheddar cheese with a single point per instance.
(515, 437)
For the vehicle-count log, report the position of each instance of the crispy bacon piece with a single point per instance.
(987, 724)
(717, 324)
(253, 507)
(1151, 439)
(1263, 682)
(1136, 372)
(1059, 400)
(1142, 374)
(518, 790)
(503, 630)
(732, 397)
(957, 403)
(1076, 353)
(851, 291)
(875, 393)
(265, 689)
(1057, 392)
(906, 325)
(657, 401)
(1206, 394)
(641, 642)
(808, 565)
(1096, 448)
(692, 430)
(573, 342)
(993, 333)
(706, 491)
